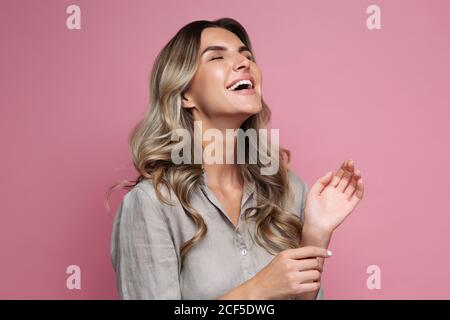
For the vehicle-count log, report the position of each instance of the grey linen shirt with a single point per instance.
(148, 234)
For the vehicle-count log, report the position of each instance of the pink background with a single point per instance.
(69, 99)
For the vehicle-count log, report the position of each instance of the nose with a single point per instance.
(242, 62)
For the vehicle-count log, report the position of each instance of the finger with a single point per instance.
(321, 263)
(339, 174)
(321, 183)
(307, 264)
(309, 276)
(347, 176)
(358, 194)
(309, 287)
(307, 252)
(352, 185)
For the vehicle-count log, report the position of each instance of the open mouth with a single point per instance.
(243, 87)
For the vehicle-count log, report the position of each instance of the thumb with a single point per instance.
(321, 183)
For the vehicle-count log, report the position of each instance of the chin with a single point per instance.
(252, 109)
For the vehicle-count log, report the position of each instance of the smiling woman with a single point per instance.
(212, 92)
(210, 231)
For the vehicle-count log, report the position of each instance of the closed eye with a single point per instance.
(221, 57)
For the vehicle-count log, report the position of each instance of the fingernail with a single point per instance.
(330, 253)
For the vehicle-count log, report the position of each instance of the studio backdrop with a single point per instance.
(352, 79)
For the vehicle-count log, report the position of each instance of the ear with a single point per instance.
(186, 102)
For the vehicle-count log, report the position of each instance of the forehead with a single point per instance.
(218, 36)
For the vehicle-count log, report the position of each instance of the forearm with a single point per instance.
(312, 237)
(315, 237)
(248, 290)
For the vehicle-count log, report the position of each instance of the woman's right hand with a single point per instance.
(291, 272)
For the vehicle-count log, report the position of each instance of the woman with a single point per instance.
(214, 230)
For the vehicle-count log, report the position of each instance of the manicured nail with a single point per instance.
(330, 253)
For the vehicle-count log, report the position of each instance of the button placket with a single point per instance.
(249, 188)
(243, 252)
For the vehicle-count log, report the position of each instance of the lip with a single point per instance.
(244, 92)
(245, 77)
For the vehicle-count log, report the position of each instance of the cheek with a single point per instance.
(212, 88)
(259, 75)
(211, 80)
(216, 78)
(210, 91)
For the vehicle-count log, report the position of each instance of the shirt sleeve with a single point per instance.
(144, 256)
(320, 294)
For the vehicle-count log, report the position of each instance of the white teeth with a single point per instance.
(239, 83)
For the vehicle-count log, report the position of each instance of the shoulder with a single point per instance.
(297, 182)
(143, 197)
(143, 192)
(299, 189)
(144, 189)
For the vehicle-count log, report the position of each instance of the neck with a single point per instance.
(223, 175)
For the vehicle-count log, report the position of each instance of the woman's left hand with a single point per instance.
(332, 198)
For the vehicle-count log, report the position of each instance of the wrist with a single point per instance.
(312, 235)
(245, 291)
(250, 290)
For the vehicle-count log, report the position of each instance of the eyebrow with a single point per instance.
(221, 48)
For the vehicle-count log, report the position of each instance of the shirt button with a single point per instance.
(244, 252)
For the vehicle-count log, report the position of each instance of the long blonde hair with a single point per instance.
(151, 145)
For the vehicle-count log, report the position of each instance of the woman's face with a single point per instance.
(209, 95)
